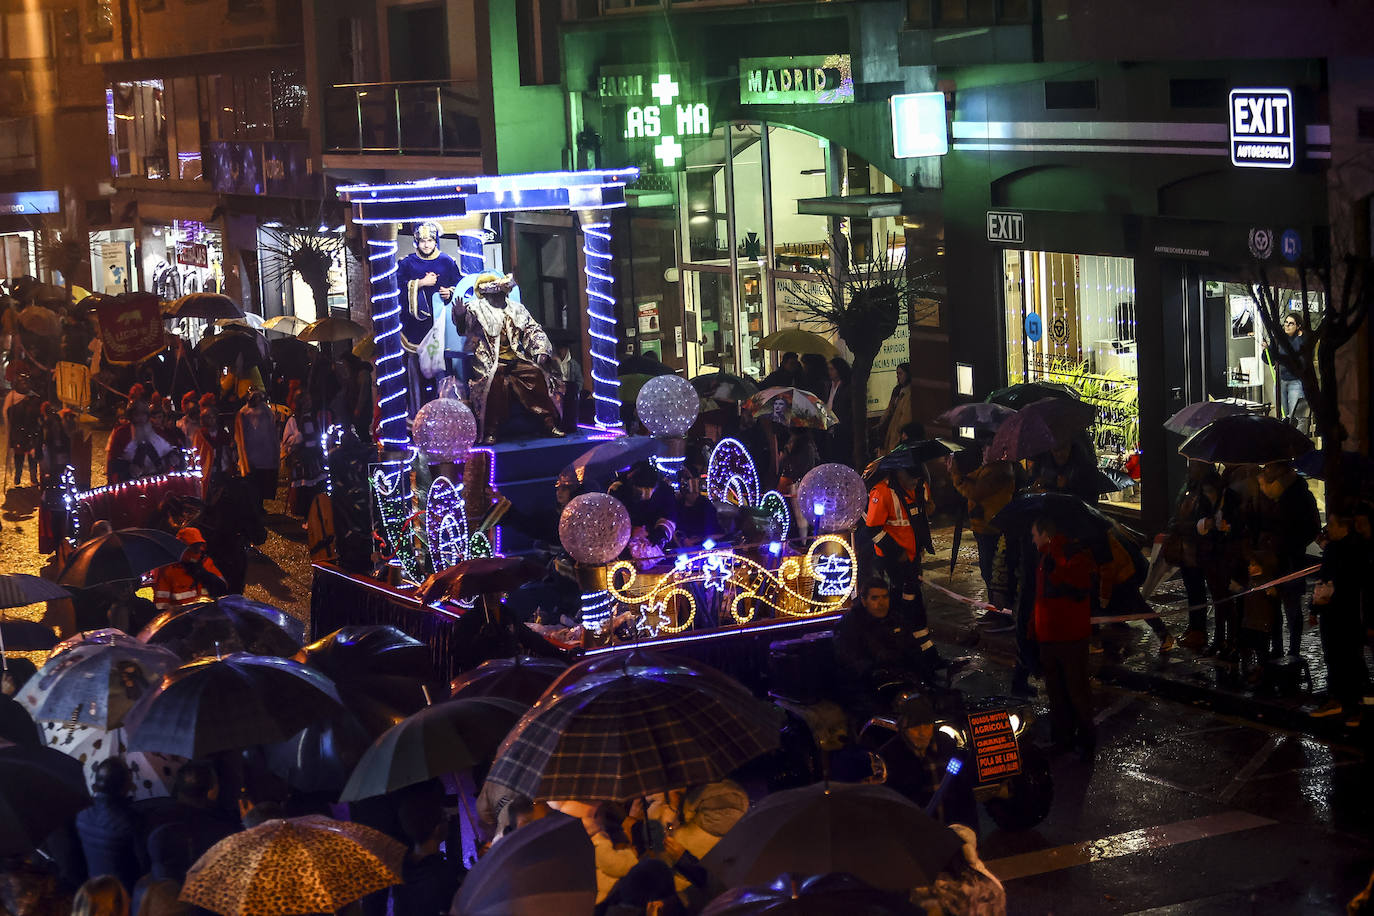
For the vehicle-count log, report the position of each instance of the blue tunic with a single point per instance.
(417, 309)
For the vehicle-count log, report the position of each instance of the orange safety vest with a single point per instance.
(174, 587)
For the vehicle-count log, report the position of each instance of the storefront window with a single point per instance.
(709, 321)
(1234, 363)
(1071, 318)
(704, 210)
(797, 171)
(17, 255)
(185, 257)
(747, 176)
(112, 258)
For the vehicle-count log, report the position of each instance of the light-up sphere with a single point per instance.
(445, 429)
(667, 405)
(836, 494)
(594, 528)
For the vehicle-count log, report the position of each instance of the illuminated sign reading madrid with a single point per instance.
(657, 113)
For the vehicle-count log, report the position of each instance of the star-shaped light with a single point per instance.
(716, 569)
(834, 574)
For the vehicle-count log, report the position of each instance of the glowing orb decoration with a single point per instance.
(667, 405)
(833, 496)
(445, 429)
(594, 528)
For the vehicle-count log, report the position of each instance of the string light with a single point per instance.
(73, 498)
(780, 517)
(601, 308)
(391, 492)
(446, 524)
(393, 429)
(730, 475)
(332, 439)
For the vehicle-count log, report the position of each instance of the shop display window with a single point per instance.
(17, 255)
(182, 258)
(1071, 318)
(1235, 365)
(112, 260)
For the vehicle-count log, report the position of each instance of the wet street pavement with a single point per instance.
(1198, 807)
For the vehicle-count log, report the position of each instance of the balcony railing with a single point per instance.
(404, 119)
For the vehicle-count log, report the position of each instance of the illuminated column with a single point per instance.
(602, 324)
(393, 432)
(471, 260)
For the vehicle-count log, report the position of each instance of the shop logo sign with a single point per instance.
(1262, 128)
(1290, 244)
(1261, 244)
(1006, 227)
(812, 80)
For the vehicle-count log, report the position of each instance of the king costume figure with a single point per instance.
(511, 357)
(427, 277)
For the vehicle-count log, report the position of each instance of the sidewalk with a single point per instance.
(1132, 659)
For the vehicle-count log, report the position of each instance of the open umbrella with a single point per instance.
(982, 416)
(251, 320)
(379, 672)
(286, 324)
(819, 895)
(232, 344)
(914, 455)
(1064, 416)
(481, 576)
(40, 790)
(631, 383)
(790, 407)
(1111, 480)
(597, 467)
(291, 358)
(619, 735)
(16, 725)
(366, 348)
(226, 625)
(25, 636)
(523, 679)
(1246, 439)
(642, 365)
(40, 320)
(1195, 416)
(724, 387)
(205, 306)
(1022, 435)
(308, 864)
(228, 704)
(545, 867)
(331, 329)
(445, 738)
(106, 636)
(1352, 465)
(1023, 393)
(798, 340)
(95, 684)
(153, 773)
(21, 589)
(120, 556)
(1074, 517)
(869, 831)
(321, 756)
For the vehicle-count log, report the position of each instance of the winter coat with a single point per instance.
(1284, 520)
(988, 489)
(1063, 584)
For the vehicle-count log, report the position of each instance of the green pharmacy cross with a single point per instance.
(660, 112)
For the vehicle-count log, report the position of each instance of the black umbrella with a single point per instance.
(1023, 393)
(481, 576)
(206, 306)
(380, 673)
(522, 678)
(228, 704)
(1111, 480)
(41, 789)
(642, 365)
(226, 625)
(722, 386)
(1351, 465)
(869, 831)
(1246, 439)
(637, 658)
(820, 895)
(291, 358)
(234, 343)
(20, 590)
(1195, 416)
(25, 636)
(545, 867)
(596, 468)
(1074, 518)
(445, 738)
(914, 455)
(981, 415)
(120, 556)
(320, 757)
(16, 725)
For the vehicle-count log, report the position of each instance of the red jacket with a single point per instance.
(1063, 584)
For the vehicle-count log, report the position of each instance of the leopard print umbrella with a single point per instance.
(302, 865)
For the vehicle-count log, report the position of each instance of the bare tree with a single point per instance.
(302, 249)
(1347, 282)
(863, 301)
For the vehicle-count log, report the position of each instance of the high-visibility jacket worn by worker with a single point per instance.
(901, 515)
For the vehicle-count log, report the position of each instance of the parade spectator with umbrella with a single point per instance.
(789, 373)
(987, 488)
(1199, 542)
(839, 442)
(1061, 626)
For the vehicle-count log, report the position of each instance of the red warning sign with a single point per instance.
(994, 745)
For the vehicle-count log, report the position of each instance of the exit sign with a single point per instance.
(1262, 129)
(1005, 226)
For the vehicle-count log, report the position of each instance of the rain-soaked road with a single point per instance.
(1183, 812)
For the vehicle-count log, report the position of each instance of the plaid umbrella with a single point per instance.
(226, 625)
(20, 590)
(95, 684)
(790, 407)
(308, 864)
(441, 739)
(871, 832)
(1195, 416)
(621, 735)
(229, 704)
(724, 387)
(545, 867)
(523, 679)
(40, 790)
(1246, 439)
(153, 773)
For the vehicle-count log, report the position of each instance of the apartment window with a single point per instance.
(27, 36)
(256, 106)
(17, 152)
(138, 142)
(536, 24)
(1070, 94)
(186, 127)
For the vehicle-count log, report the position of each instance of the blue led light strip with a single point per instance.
(605, 366)
(393, 432)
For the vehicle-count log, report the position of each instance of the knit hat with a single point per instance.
(716, 807)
